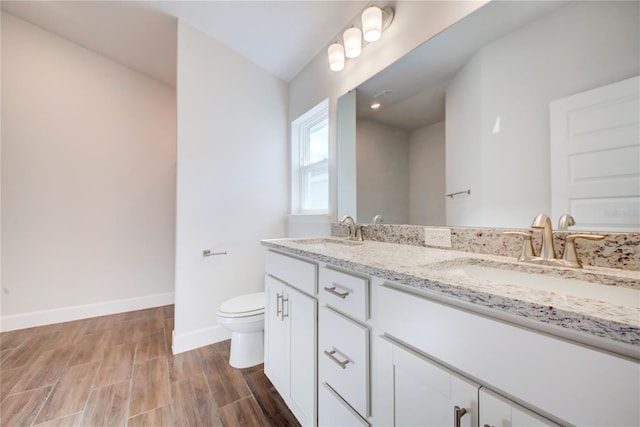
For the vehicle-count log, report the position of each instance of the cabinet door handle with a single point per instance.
(458, 413)
(332, 290)
(278, 309)
(330, 355)
(283, 313)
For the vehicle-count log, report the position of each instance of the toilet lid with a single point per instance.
(244, 305)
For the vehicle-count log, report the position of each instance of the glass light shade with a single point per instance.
(372, 23)
(336, 57)
(352, 42)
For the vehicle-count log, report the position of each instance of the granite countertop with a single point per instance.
(614, 327)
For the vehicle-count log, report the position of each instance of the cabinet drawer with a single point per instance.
(333, 411)
(343, 360)
(344, 292)
(295, 272)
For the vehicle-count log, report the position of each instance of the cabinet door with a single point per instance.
(426, 394)
(497, 411)
(276, 337)
(301, 311)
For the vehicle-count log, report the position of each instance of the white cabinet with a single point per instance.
(290, 335)
(302, 312)
(426, 394)
(343, 349)
(276, 338)
(497, 411)
(381, 353)
(569, 383)
(334, 411)
(343, 359)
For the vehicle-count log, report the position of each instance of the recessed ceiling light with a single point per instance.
(375, 105)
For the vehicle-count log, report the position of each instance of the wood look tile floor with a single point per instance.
(118, 370)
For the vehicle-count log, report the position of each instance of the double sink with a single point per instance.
(576, 283)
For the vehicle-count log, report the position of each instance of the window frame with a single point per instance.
(300, 144)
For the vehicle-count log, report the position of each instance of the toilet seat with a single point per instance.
(243, 306)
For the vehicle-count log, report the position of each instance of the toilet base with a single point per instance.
(247, 349)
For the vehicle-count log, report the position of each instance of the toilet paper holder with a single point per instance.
(207, 252)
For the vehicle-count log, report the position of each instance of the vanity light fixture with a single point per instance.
(336, 57)
(374, 21)
(352, 42)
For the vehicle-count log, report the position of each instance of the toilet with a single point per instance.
(244, 317)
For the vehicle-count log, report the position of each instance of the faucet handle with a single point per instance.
(570, 256)
(526, 252)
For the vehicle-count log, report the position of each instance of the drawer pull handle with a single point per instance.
(330, 355)
(332, 290)
(458, 413)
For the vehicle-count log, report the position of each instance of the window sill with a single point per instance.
(309, 218)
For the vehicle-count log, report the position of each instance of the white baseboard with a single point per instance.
(199, 338)
(66, 314)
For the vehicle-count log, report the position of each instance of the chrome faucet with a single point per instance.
(548, 252)
(355, 230)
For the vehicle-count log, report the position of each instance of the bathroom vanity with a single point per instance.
(409, 335)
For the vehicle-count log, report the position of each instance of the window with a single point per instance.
(310, 162)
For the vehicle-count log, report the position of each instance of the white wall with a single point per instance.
(347, 203)
(231, 181)
(463, 149)
(517, 84)
(427, 175)
(382, 172)
(88, 182)
(400, 174)
(414, 23)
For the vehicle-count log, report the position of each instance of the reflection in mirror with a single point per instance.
(470, 112)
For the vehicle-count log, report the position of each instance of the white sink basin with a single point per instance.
(329, 241)
(617, 295)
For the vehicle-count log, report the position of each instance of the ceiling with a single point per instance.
(281, 37)
(412, 90)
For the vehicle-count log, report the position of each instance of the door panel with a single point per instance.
(426, 394)
(276, 354)
(595, 157)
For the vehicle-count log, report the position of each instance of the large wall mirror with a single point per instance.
(519, 108)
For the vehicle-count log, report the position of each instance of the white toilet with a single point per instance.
(244, 317)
